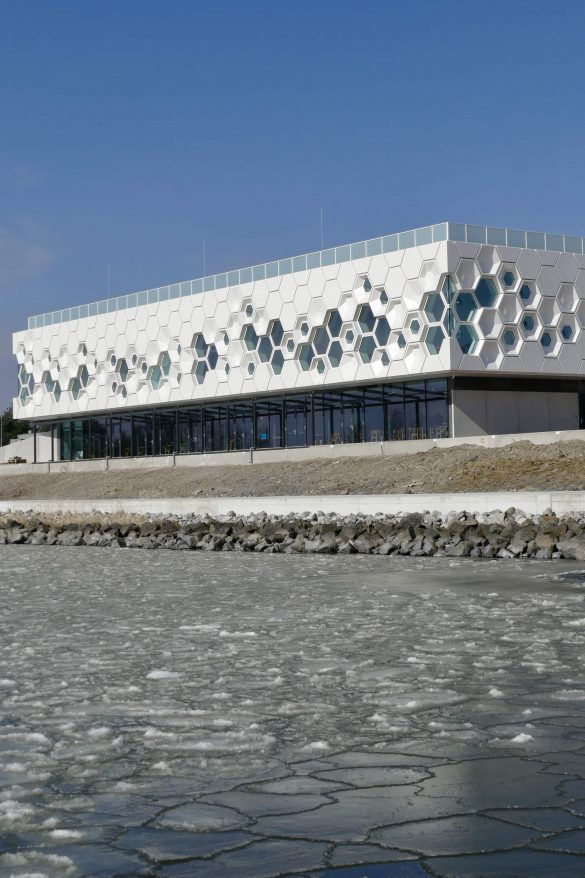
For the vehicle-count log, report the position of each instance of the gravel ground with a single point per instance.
(521, 466)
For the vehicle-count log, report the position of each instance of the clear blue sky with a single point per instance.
(132, 130)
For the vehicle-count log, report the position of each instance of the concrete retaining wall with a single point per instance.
(533, 502)
(291, 455)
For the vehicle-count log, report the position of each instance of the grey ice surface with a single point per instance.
(192, 714)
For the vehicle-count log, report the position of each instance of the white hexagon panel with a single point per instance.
(428, 302)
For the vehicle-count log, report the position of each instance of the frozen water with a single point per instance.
(169, 714)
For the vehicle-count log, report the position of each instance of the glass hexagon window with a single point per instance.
(251, 368)
(320, 367)
(249, 310)
(486, 293)
(290, 345)
(277, 362)
(276, 332)
(124, 393)
(449, 288)
(113, 360)
(134, 359)
(383, 296)
(321, 340)
(114, 386)
(465, 306)
(385, 359)
(200, 372)
(449, 322)
(367, 284)
(508, 278)
(567, 332)
(509, 338)
(23, 395)
(75, 388)
(366, 318)
(200, 345)
(400, 340)
(334, 323)
(250, 337)
(349, 336)
(546, 340)
(212, 356)
(31, 383)
(434, 307)
(525, 292)
(528, 322)
(335, 353)
(226, 338)
(265, 349)
(304, 328)
(467, 339)
(415, 327)
(155, 377)
(123, 369)
(367, 348)
(306, 354)
(435, 338)
(83, 376)
(382, 331)
(144, 368)
(165, 365)
(57, 391)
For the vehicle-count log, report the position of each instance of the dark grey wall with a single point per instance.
(477, 412)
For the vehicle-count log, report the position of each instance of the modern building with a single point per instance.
(448, 330)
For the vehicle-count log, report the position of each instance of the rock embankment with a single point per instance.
(509, 534)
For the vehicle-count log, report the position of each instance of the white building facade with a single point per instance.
(448, 330)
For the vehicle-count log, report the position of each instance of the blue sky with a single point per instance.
(131, 131)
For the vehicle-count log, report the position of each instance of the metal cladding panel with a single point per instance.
(433, 308)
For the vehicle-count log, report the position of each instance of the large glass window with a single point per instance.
(298, 421)
(190, 438)
(374, 414)
(396, 425)
(437, 408)
(410, 410)
(98, 437)
(353, 416)
(241, 426)
(269, 423)
(215, 429)
(415, 419)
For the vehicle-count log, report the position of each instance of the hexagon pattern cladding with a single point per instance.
(432, 309)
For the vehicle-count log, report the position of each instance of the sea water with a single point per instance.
(199, 714)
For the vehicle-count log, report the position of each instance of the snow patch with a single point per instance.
(522, 738)
(162, 675)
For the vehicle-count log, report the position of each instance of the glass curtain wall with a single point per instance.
(377, 413)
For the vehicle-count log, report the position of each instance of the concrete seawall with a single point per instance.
(530, 502)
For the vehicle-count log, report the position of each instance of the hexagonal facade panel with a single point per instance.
(398, 307)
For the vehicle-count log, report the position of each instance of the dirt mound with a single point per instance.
(516, 467)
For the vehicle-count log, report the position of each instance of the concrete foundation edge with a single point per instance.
(290, 455)
(532, 502)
